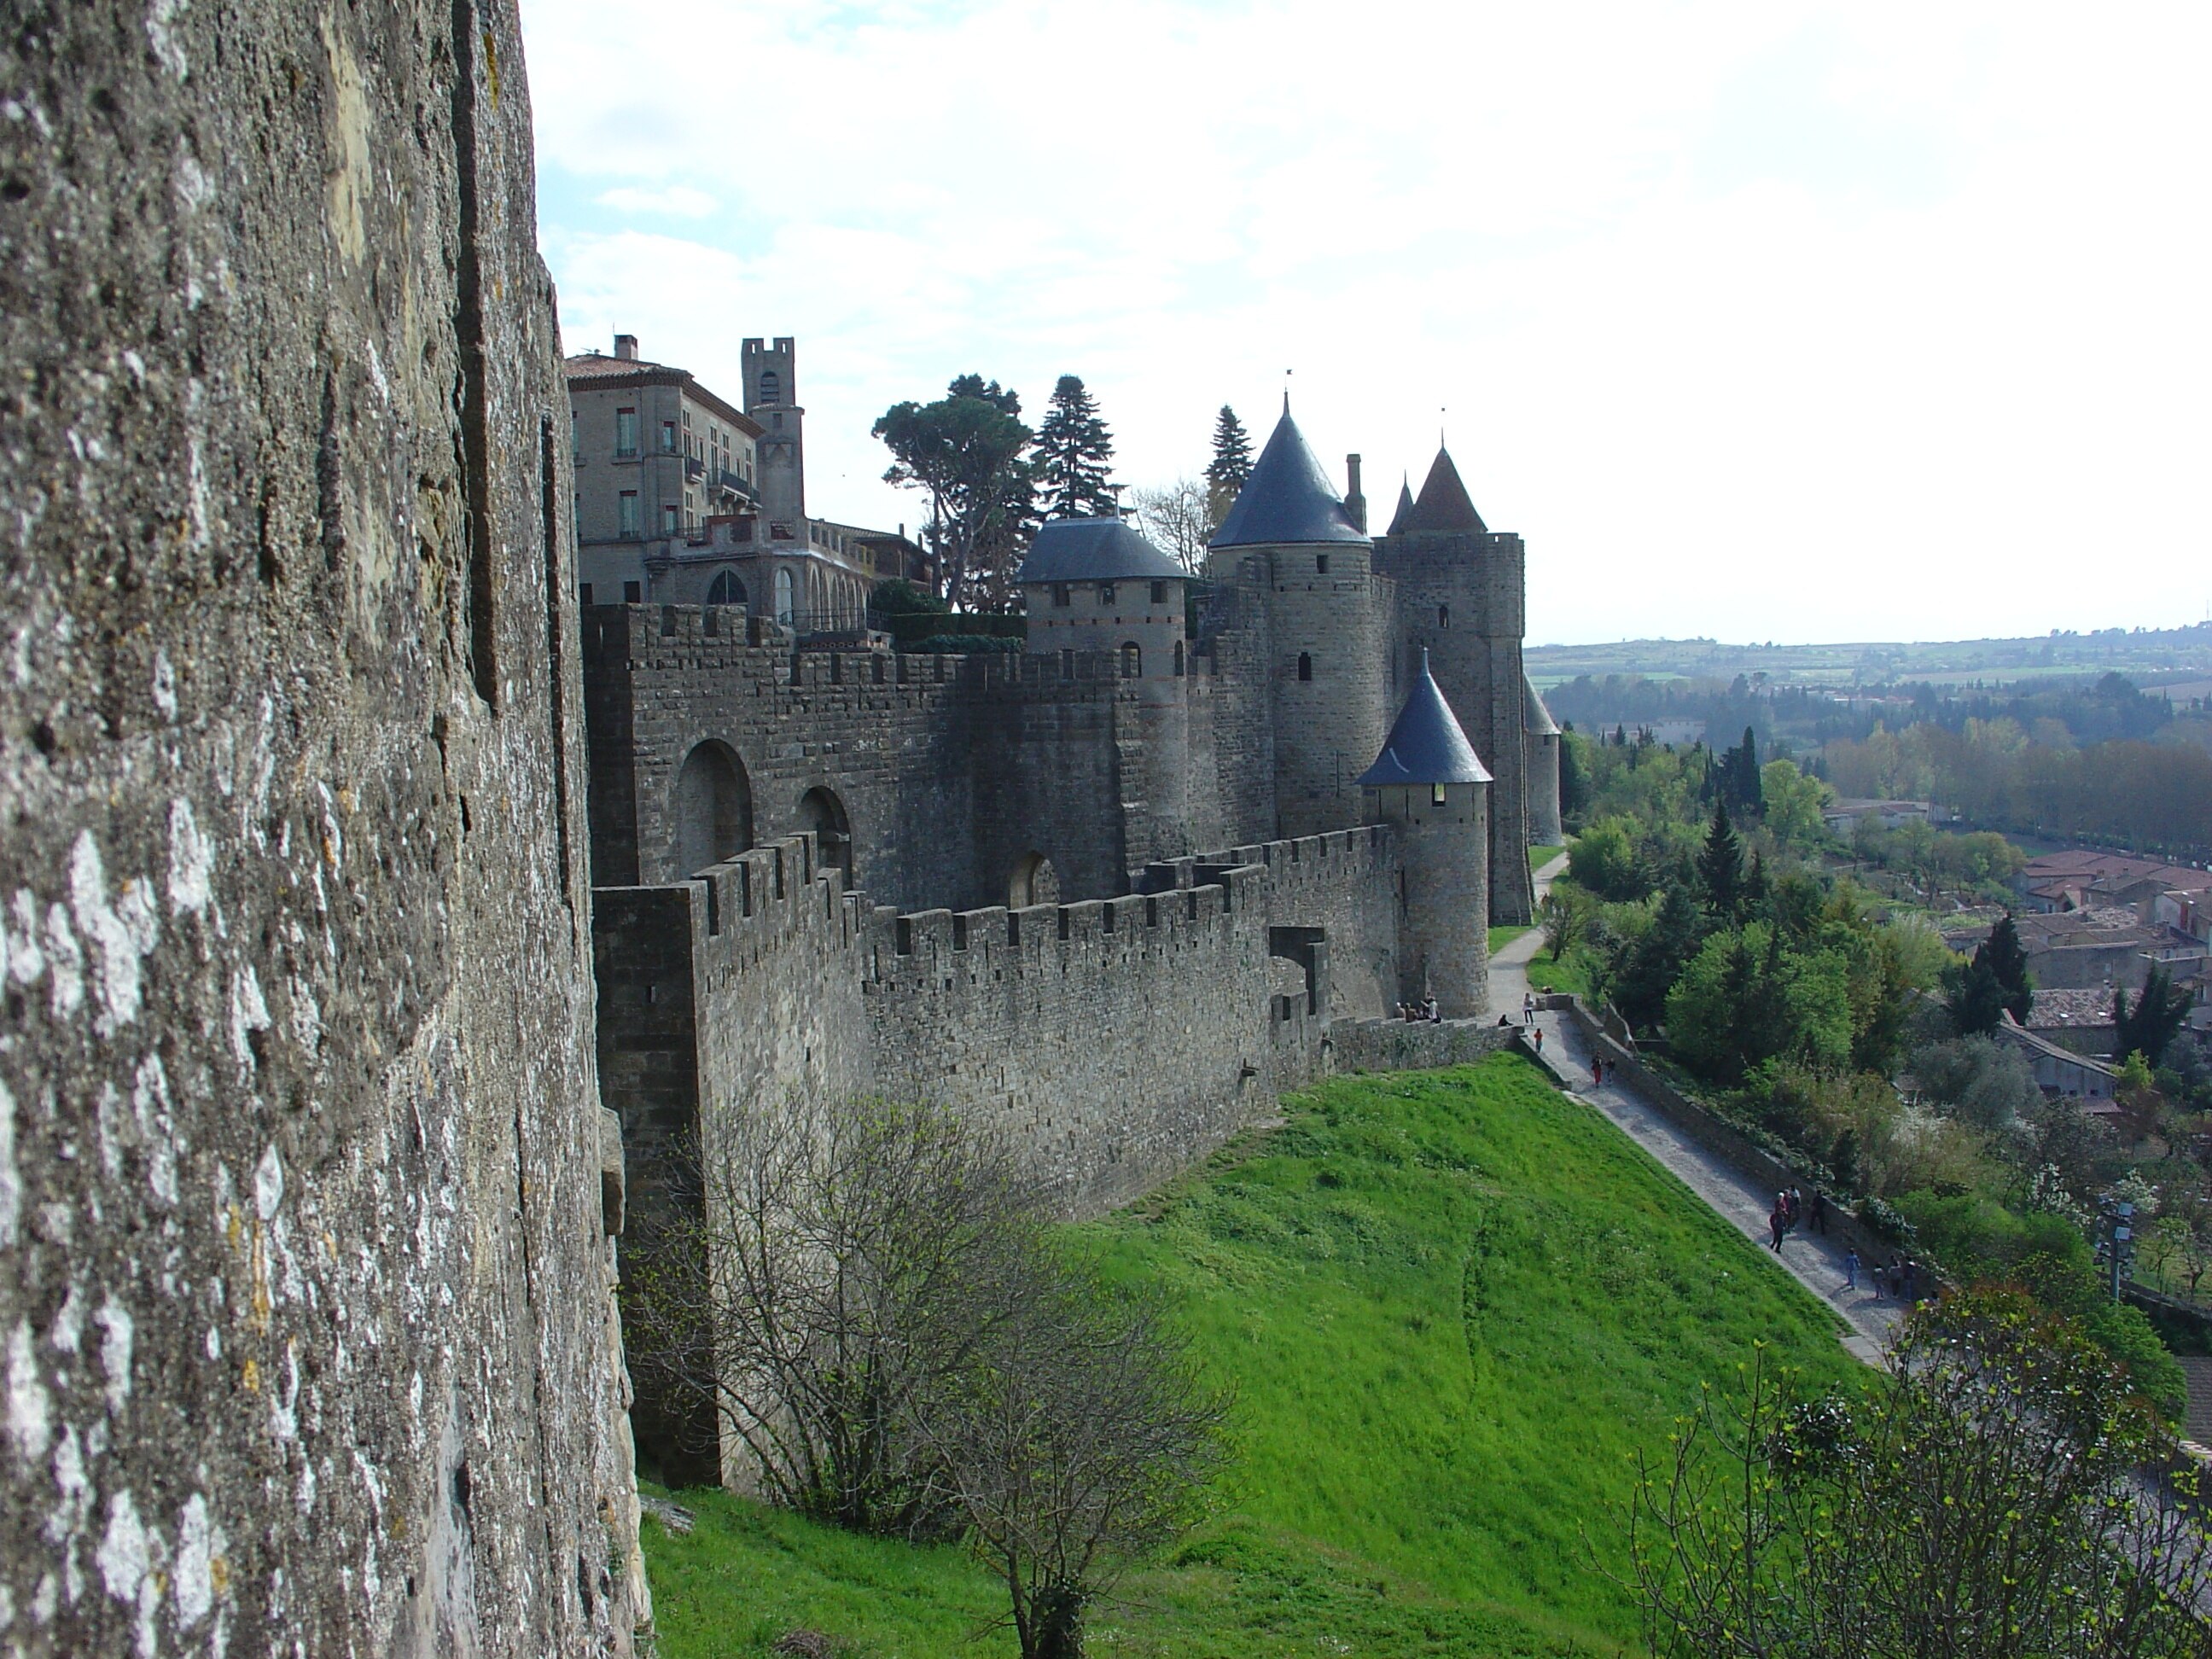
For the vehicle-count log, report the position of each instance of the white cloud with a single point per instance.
(1763, 320)
(675, 201)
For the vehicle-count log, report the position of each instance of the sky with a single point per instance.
(1769, 320)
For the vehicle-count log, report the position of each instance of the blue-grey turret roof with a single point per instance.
(1095, 550)
(1535, 719)
(1425, 744)
(1288, 499)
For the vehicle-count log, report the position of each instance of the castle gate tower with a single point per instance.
(1429, 786)
(1460, 597)
(1291, 539)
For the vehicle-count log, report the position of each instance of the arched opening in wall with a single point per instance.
(1034, 881)
(725, 589)
(1132, 660)
(784, 606)
(1305, 665)
(1443, 615)
(1178, 658)
(771, 386)
(712, 812)
(821, 812)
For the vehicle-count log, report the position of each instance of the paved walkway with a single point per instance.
(1816, 1261)
(1509, 969)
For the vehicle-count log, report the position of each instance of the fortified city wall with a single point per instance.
(304, 1281)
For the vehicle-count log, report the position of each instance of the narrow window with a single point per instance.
(1178, 660)
(1320, 564)
(1133, 661)
(633, 594)
(1067, 664)
(1435, 794)
(668, 519)
(1305, 665)
(625, 433)
(1060, 596)
(576, 437)
(1443, 615)
(583, 592)
(1105, 592)
(668, 437)
(1159, 593)
(628, 520)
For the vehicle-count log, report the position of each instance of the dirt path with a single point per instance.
(1508, 968)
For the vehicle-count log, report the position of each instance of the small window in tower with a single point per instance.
(1305, 665)
(1105, 592)
(583, 592)
(1320, 564)
(1443, 615)
(1435, 794)
(633, 592)
(1133, 661)
(1159, 593)
(1061, 596)
(771, 388)
(668, 519)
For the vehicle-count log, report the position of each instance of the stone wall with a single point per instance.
(1402, 1045)
(303, 1277)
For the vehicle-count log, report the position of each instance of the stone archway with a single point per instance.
(1033, 881)
(821, 812)
(710, 810)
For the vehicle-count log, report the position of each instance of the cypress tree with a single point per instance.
(2008, 961)
(1973, 997)
(1720, 863)
(1231, 464)
(2160, 1011)
(1073, 448)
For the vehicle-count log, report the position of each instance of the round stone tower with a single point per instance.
(1291, 541)
(1428, 786)
(1539, 749)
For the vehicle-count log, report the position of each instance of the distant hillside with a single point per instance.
(2148, 656)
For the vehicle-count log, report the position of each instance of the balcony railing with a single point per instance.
(736, 484)
(694, 468)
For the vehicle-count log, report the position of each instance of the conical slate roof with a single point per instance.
(1425, 744)
(1095, 550)
(1405, 509)
(1444, 504)
(1536, 719)
(1288, 498)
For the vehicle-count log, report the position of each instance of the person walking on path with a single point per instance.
(1540, 1039)
(1820, 1212)
(1850, 1268)
(1796, 1208)
(1778, 1222)
(1527, 1008)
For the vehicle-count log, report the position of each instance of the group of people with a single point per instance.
(1899, 1279)
(1427, 1009)
(1789, 1208)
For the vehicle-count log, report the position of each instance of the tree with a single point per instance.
(1973, 997)
(1647, 970)
(1565, 915)
(1744, 1000)
(1720, 864)
(2160, 1009)
(1794, 804)
(1603, 860)
(1073, 448)
(1081, 1445)
(1574, 775)
(964, 451)
(2007, 960)
(1980, 1500)
(1177, 519)
(842, 1266)
(1230, 466)
(1979, 1080)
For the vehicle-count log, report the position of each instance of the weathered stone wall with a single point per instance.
(303, 1280)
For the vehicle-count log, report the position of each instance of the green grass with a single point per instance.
(1501, 937)
(1570, 973)
(1453, 1304)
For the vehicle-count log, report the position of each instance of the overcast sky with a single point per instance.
(1761, 320)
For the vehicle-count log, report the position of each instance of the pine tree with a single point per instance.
(1720, 863)
(1231, 464)
(2007, 960)
(2161, 1010)
(1073, 450)
(1973, 997)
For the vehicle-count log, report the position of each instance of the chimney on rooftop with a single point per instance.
(1354, 502)
(626, 347)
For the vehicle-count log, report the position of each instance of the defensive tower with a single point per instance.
(1430, 788)
(1539, 739)
(771, 375)
(1291, 541)
(1460, 597)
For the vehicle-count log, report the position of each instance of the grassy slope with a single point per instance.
(1452, 1304)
